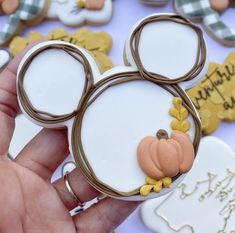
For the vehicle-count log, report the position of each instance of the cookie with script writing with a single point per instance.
(97, 43)
(205, 201)
(214, 96)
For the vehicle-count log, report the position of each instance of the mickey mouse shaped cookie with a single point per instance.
(20, 12)
(208, 11)
(109, 116)
(77, 12)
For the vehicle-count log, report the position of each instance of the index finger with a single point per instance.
(8, 101)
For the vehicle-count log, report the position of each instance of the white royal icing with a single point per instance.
(4, 58)
(171, 213)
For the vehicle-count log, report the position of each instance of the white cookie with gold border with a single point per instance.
(196, 213)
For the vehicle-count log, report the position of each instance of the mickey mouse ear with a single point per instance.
(52, 80)
(167, 49)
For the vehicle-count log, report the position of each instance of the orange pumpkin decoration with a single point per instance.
(9, 6)
(162, 156)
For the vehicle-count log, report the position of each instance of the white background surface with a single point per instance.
(126, 14)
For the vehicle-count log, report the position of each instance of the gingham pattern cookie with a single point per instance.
(27, 10)
(155, 2)
(201, 9)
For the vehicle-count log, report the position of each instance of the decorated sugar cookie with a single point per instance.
(204, 201)
(77, 12)
(24, 132)
(4, 58)
(155, 2)
(97, 43)
(214, 96)
(20, 12)
(208, 11)
(117, 118)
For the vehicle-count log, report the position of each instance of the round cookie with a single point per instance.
(208, 12)
(108, 115)
(197, 205)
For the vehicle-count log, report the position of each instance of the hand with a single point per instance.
(29, 202)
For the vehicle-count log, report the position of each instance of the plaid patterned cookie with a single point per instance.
(155, 2)
(207, 11)
(27, 10)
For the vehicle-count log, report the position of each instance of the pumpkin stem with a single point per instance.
(162, 134)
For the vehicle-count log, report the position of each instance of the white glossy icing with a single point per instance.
(69, 14)
(46, 79)
(4, 58)
(114, 128)
(25, 130)
(168, 49)
(54, 82)
(174, 51)
(213, 156)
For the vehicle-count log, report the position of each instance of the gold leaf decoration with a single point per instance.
(180, 113)
(155, 185)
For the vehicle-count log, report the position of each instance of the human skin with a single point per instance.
(29, 202)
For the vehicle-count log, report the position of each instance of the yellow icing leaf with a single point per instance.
(180, 113)
(183, 113)
(174, 113)
(167, 182)
(151, 181)
(145, 190)
(157, 187)
(177, 102)
(175, 124)
(185, 126)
